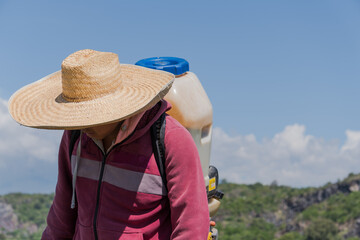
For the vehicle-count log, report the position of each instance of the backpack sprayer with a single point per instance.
(192, 108)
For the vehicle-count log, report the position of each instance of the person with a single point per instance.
(110, 187)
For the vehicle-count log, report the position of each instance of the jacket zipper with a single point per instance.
(103, 163)
(98, 195)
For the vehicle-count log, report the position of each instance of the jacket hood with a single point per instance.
(148, 119)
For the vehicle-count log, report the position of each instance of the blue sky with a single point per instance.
(280, 75)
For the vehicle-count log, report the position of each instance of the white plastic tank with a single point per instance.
(190, 104)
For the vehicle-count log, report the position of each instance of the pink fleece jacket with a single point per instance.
(120, 194)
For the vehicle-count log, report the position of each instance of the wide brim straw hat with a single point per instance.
(92, 88)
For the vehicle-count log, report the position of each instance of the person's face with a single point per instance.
(102, 131)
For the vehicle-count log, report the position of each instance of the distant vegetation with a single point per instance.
(249, 212)
(245, 209)
(31, 211)
(258, 211)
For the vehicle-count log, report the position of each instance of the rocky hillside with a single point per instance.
(249, 212)
(22, 216)
(279, 212)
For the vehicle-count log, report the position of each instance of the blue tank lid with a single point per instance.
(174, 65)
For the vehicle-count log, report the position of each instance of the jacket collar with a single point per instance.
(137, 125)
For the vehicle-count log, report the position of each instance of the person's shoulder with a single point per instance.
(66, 137)
(173, 124)
(175, 131)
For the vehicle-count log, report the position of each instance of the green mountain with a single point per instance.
(250, 212)
(257, 211)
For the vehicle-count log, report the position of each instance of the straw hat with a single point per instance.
(91, 89)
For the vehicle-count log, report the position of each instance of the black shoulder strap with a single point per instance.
(157, 138)
(74, 136)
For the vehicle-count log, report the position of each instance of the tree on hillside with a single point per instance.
(321, 229)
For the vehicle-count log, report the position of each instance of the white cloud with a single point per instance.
(291, 157)
(352, 142)
(28, 157)
(18, 141)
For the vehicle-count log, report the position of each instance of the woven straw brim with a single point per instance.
(40, 105)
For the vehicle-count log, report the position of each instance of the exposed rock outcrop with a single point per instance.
(8, 219)
(300, 203)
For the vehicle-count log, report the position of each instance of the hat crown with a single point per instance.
(89, 74)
